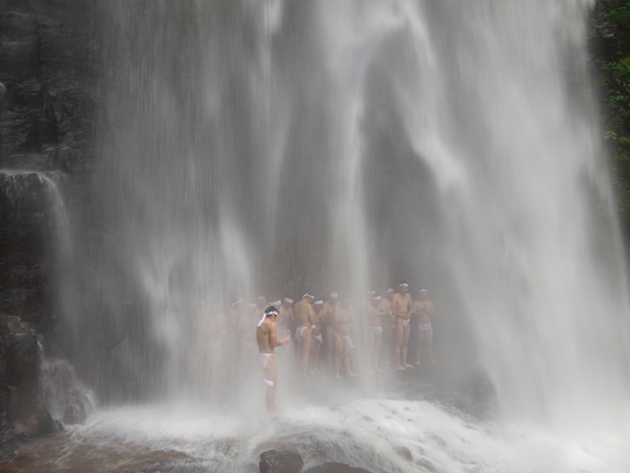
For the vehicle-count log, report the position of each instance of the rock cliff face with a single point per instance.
(49, 71)
(49, 68)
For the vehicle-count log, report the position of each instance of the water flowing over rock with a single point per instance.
(280, 462)
(68, 400)
(332, 467)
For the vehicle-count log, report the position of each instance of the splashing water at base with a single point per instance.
(377, 435)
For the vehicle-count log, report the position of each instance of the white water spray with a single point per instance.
(278, 148)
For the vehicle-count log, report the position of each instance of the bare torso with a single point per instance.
(341, 320)
(318, 316)
(302, 313)
(423, 310)
(286, 314)
(401, 305)
(374, 312)
(386, 308)
(264, 335)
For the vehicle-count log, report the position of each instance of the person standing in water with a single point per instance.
(401, 308)
(423, 310)
(267, 342)
(303, 315)
(374, 313)
(342, 319)
(329, 309)
(316, 334)
(389, 325)
(285, 316)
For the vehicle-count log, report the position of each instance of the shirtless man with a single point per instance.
(401, 308)
(303, 315)
(285, 316)
(316, 334)
(374, 313)
(423, 310)
(389, 324)
(329, 308)
(341, 322)
(267, 341)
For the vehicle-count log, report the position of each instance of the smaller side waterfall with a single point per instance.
(68, 399)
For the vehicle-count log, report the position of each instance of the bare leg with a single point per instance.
(270, 374)
(421, 342)
(306, 349)
(405, 347)
(330, 347)
(339, 346)
(347, 359)
(400, 334)
(389, 335)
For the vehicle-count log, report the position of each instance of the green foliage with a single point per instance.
(613, 23)
(620, 16)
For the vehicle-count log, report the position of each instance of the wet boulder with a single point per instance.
(284, 461)
(334, 467)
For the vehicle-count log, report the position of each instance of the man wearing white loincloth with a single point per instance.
(423, 310)
(401, 308)
(267, 341)
(303, 315)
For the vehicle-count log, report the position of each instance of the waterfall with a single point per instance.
(281, 147)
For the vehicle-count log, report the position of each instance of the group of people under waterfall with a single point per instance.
(323, 333)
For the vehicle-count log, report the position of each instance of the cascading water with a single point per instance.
(278, 147)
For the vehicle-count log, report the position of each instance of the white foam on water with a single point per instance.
(377, 435)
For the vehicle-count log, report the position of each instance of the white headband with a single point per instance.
(334, 295)
(288, 301)
(308, 295)
(376, 298)
(389, 291)
(318, 303)
(265, 314)
(422, 290)
(403, 284)
(276, 303)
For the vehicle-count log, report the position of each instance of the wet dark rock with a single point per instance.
(22, 411)
(39, 423)
(284, 461)
(334, 467)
